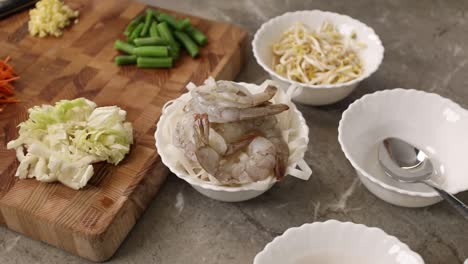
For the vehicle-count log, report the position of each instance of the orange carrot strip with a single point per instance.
(9, 101)
(9, 79)
(7, 76)
(9, 90)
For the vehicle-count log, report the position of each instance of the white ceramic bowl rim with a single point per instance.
(332, 222)
(360, 169)
(206, 185)
(338, 85)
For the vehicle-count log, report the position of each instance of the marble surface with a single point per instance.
(425, 45)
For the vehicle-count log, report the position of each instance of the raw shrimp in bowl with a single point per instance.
(233, 134)
(233, 141)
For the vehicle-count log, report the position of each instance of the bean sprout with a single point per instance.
(323, 56)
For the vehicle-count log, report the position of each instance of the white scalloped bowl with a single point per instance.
(430, 122)
(296, 163)
(335, 242)
(271, 31)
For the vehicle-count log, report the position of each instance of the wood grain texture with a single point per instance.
(93, 222)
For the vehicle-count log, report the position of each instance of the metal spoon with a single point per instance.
(405, 163)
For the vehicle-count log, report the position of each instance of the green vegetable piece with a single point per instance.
(173, 22)
(174, 51)
(184, 24)
(123, 60)
(154, 41)
(151, 51)
(145, 62)
(188, 43)
(154, 30)
(166, 33)
(148, 20)
(197, 35)
(99, 133)
(154, 13)
(136, 33)
(132, 25)
(124, 46)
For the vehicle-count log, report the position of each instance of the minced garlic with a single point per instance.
(50, 17)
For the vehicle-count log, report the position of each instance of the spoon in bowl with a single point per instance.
(405, 163)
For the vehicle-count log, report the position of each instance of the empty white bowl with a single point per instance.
(272, 30)
(335, 242)
(430, 122)
(291, 121)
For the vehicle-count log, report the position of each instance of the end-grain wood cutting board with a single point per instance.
(94, 221)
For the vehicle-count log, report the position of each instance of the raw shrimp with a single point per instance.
(232, 114)
(261, 159)
(267, 127)
(183, 136)
(232, 133)
(230, 102)
(229, 94)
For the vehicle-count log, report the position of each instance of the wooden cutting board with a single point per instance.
(93, 222)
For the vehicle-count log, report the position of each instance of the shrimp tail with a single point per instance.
(267, 110)
(280, 168)
(265, 96)
(201, 130)
(207, 157)
(282, 156)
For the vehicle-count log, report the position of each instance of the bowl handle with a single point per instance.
(293, 90)
(166, 105)
(302, 170)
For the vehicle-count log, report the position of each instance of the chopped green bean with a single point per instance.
(148, 20)
(188, 43)
(144, 62)
(123, 60)
(154, 13)
(132, 25)
(173, 22)
(154, 41)
(136, 33)
(154, 30)
(197, 35)
(151, 51)
(184, 24)
(165, 32)
(124, 46)
(174, 51)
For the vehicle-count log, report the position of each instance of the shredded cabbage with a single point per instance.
(324, 56)
(63, 141)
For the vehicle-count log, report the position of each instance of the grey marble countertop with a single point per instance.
(426, 48)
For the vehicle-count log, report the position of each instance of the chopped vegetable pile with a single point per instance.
(155, 38)
(62, 141)
(50, 17)
(7, 75)
(324, 56)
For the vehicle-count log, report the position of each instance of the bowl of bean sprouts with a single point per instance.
(322, 55)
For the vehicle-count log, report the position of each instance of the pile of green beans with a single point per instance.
(154, 40)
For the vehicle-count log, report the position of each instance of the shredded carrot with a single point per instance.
(2, 82)
(7, 75)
